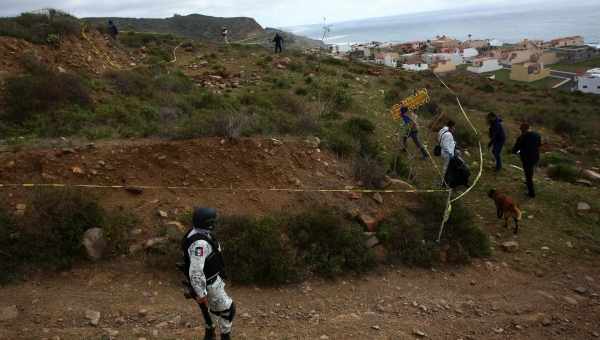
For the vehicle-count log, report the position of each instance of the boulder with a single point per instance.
(8, 313)
(94, 243)
(313, 142)
(591, 175)
(378, 198)
(583, 206)
(93, 317)
(510, 246)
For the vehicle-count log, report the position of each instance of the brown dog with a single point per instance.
(506, 207)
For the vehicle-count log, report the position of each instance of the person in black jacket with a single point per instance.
(113, 31)
(528, 147)
(278, 40)
(497, 138)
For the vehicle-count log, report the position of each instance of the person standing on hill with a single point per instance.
(225, 34)
(528, 148)
(412, 130)
(497, 138)
(204, 268)
(113, 31)
(447, 144)
(278, 40)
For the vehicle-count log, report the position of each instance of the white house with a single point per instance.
(496, 43)
(434, 58)
(485, 65)
(589, 82)
(391, 59)
(415, 66)
(470, 53)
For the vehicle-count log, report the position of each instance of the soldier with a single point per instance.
(204, 269)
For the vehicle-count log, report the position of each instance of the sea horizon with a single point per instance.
(508, 25)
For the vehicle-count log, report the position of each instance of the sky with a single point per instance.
(271, 13)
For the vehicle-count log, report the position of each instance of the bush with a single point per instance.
(328, 245)
(563, 172)
(392, 97)
(41, 28)
(341, 143)
(370, 171)
(45, 90)
(556, 158)
(256, 251)
(50, 233)
(131, 83)
(567, 127)
(359, 127)
(404, 239)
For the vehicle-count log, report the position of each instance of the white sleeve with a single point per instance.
(198, 253)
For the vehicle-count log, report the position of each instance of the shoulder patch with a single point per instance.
(199, 251)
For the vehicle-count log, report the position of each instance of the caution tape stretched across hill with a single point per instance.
(223, 189)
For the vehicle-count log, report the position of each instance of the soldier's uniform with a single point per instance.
(204, 268)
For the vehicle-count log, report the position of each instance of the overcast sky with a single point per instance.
(274, 13)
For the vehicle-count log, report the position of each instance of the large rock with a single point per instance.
(313, 142)
(583, 206)
(8, 313)
(155, 242)
(95, 243)
(93, 317)
(591, 175)
(510, 246)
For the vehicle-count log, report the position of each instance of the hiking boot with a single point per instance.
(210, 334)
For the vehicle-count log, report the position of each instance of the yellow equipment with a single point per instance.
(420, 98)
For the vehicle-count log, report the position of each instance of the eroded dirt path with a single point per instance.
(488, 300)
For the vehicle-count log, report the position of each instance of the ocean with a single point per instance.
(505, 24)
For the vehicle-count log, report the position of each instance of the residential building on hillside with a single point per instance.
(589, 82)
(576, 54)
(529, 72)
(379, 58)
(549, 58)
(568, 41)
(434, 58)
(477, 44)
(416, 66)
(391, 59)
(485, 65)
(470, 53)
(495, 43)
(445, 42)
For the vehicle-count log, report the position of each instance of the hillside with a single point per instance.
(208, 29)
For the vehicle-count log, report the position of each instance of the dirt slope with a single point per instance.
(96, 54)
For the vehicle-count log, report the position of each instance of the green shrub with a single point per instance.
(399, 167)
(45, 90)
(567, 127)
(461, 237)
(41, 28)
(563, 172)
(328, 245)
(360, 128)
(488, 88)
(49, 235)
(131, 82)
(341, 143)
(301, 91)
(556, 158)
(464, 135)
(392, 97)
(370, 171)
(255, 251)
(404, 239)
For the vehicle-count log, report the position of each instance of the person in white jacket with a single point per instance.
(204, 269)
(447, 144)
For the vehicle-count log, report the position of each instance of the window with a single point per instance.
(585, 86)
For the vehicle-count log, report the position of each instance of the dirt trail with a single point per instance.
(489, 300)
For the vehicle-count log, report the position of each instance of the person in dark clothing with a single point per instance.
(411, 130)
(497, 138)
(113, 31)
(278, 40)
(528, 147)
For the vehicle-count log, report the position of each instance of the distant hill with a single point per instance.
(207, 28)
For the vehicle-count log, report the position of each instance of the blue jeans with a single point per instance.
(414, 135)
(497, 151)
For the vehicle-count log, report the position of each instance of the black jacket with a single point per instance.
(497, 135)
(528, 147)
